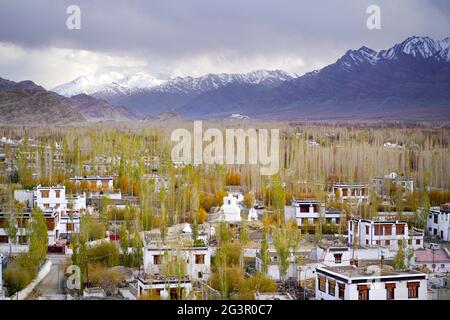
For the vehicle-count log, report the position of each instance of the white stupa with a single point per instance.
(252, 215)
(187, 228)
(230, 210)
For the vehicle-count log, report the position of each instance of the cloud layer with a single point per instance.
(195, 37)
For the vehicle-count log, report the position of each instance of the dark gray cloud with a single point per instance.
(171, 33)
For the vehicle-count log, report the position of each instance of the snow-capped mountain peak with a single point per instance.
(363, 55)
(423, 47)
(117, 83)
(112, 82)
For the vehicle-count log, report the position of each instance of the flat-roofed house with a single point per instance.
(371, 283)
(357, 193)
(437, 261)
(307, 212)
(368, 233)
(438, 222)
(95, 183)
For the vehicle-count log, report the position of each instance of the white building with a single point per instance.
(273, 265)
(308, 213)
(52, 219)
(164, 287)
(438, 223)
(70, 220)
(53, 197)
(196, 261)
(230, 210)
(104, 183)
(382, 185)
(372, 283)
(367, 233)
(69, 225)
(332, 256)
(357, 193)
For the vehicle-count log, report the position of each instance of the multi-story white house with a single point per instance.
(438, 222)
(52, 219)
(357, 193)
(367, 233)
(51, 197)
(169, 272)
(308, 212)
(70, 220)
(371, 283)
(195, 261)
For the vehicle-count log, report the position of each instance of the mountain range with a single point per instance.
(27, 103)
(151, 96)
(409, 81)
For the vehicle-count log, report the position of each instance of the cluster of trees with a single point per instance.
(228, 266)
(23, 268)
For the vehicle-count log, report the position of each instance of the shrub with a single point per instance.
(106, 278)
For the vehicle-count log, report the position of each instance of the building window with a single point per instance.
(413, 289)
(200, 275)
(378, 230)
(387, 242)
(58, 193)
(390, 291)
(388, 230)
(367, 230)
(337, 257)
(435, 218)
(23, 239)
(363, 292)
(331, 287)
(157, 259)
(367, 241)
(400, 229)
(322, 283)
(44, 193)
(418, 242)
(3, 239)
(199, 259)
(341, 287)
(69, 226)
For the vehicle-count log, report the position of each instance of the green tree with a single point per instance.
(399, 259)
(264, 253)
(11, 228)
(38, 237)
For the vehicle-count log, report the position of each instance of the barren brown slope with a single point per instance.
(35, 107)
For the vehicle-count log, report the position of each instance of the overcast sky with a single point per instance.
(196, 37)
